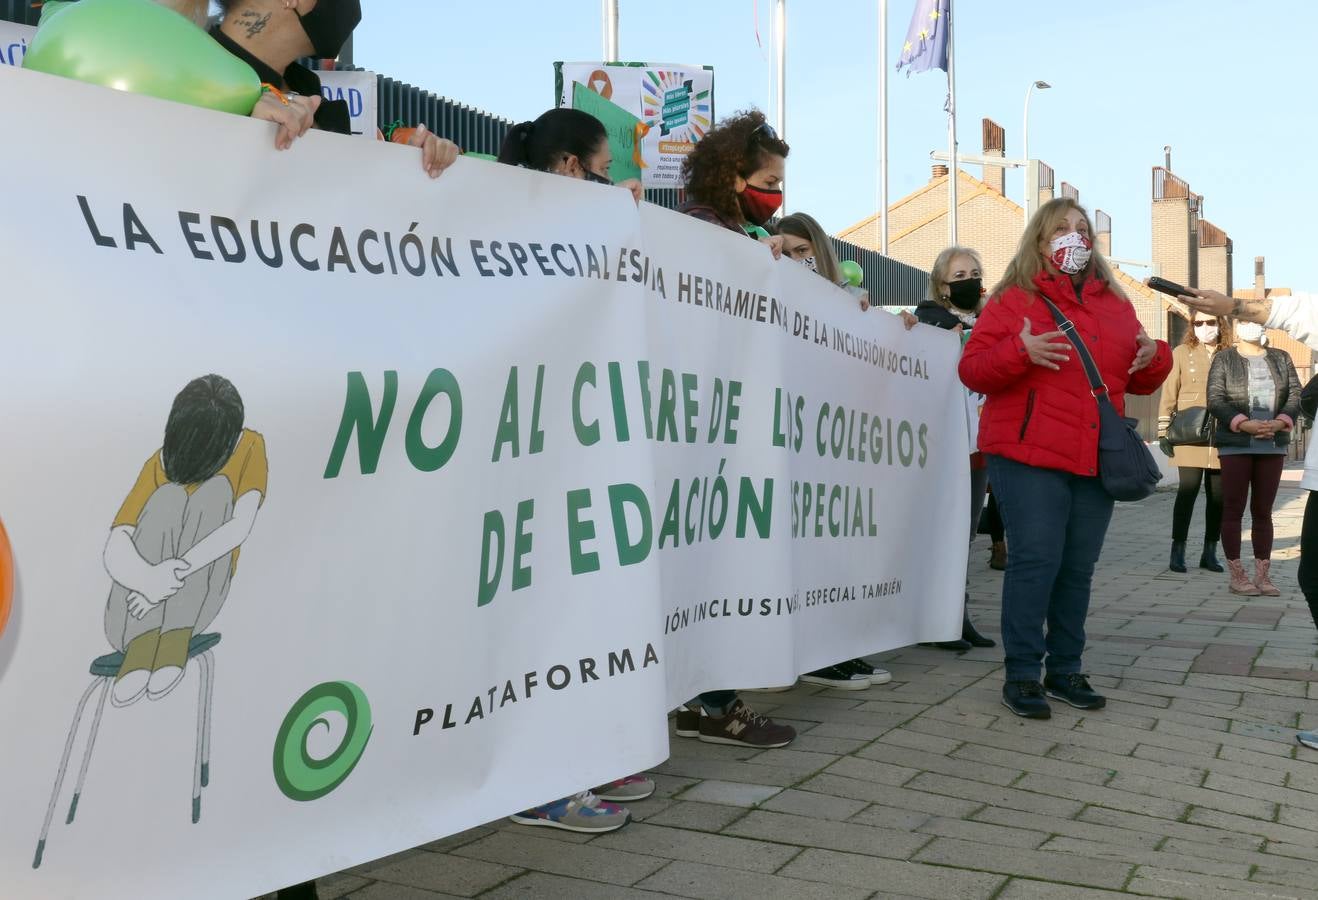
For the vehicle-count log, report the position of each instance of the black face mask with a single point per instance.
(330, 25)
(965, 294)
(596, 177)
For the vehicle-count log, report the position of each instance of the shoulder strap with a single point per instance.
(1067, 327)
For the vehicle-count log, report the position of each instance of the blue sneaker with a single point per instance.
(582, 812)
(1308, 739)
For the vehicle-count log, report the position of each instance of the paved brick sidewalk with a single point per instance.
(1189, 784)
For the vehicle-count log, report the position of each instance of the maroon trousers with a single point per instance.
(1253, 478)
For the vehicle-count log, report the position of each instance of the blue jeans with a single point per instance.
(1055, 523)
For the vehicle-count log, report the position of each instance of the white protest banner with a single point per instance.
(338, 518)
(674, 105)
(360, 91)
(14, 39)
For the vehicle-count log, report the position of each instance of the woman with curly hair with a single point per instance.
(735, 176)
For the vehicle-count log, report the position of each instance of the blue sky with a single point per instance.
(1228, 85)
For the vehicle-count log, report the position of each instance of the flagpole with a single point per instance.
(609, 19)
(883, 127)
(780, 65)
(951, 125)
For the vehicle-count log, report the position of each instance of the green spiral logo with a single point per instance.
(300, 776)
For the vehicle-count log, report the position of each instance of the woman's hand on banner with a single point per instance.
(293, 114)
(437, 153)
(775, 244)
(909, 320)
(633, 185)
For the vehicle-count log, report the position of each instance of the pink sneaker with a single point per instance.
(1261, 579)
(1240, 583)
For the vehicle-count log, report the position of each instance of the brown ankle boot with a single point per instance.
(1240, 583)
(998, 556)
(1261, 579)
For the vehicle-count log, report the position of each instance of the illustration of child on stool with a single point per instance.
(173, 548)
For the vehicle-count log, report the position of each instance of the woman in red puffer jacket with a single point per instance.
(1039, 432)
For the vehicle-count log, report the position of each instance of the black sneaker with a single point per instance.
(1025, 699)
(954, 646)
(873, 673)
(1075, 690)
(839, 677)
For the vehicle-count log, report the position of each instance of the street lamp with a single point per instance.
(1025, 145)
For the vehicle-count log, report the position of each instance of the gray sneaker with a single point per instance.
(582, 812)
(625, 790)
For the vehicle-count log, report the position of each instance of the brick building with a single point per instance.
(993, 224)
(987, 221)
(1300, 353)
(1186, 248)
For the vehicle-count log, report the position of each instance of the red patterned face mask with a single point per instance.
(1071, 252)
(759, 205)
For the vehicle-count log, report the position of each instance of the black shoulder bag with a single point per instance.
(1125, 465)
(1190, 428)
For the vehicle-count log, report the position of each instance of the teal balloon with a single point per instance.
(851, 272)
(142, 47)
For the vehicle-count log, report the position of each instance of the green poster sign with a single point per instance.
(620, 125)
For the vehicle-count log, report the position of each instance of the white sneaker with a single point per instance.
(163, 680)
(839, 678)
(880, 676)
(873, 673)
(130, 688)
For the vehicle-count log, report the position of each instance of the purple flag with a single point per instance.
(926, 40)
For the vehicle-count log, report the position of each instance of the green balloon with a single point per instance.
(142, 47)
(852, 272)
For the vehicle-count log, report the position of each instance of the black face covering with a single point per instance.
(330, 24)
(965, 294)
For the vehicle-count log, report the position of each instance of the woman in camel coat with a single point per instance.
(1186, 389)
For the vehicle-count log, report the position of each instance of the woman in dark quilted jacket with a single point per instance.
(955, 298)
(1254, 395)
(1039, 431)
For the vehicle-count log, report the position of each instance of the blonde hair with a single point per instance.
(938, 274)
(1028, 261)
(800, 225)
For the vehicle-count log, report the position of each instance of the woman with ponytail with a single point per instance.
(564, 142)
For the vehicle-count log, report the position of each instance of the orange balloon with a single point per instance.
(6, 578)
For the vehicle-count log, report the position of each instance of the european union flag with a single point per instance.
(926, 40)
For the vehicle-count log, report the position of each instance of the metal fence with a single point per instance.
(470, 128)
(890, 283)
(24, 12)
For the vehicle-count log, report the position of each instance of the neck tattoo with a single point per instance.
(253, 22)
